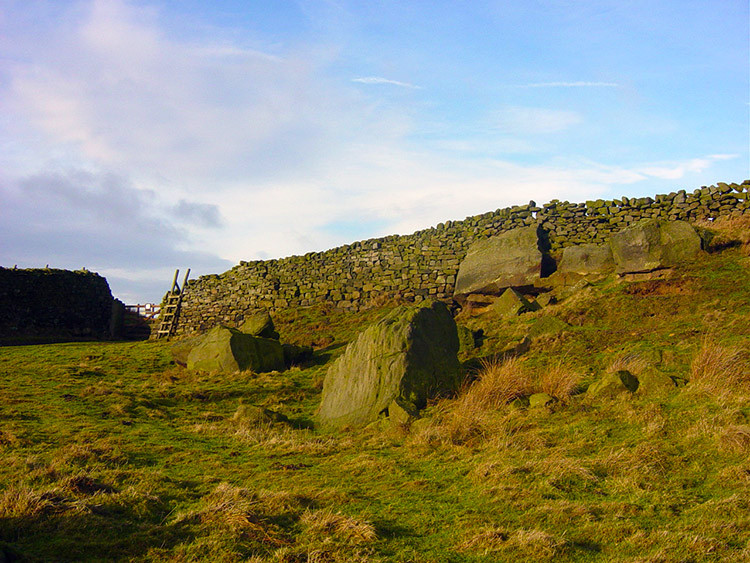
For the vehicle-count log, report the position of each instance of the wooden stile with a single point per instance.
(170, 312)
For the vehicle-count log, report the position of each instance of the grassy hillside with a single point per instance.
(112, 453)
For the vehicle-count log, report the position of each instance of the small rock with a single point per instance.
(540, 400)
(614, 383)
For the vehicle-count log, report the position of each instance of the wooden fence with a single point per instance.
(148, 311)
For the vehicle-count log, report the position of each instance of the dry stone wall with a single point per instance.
(424, 264)
(50, 305)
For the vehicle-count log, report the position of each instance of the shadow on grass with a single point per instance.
(111, 534)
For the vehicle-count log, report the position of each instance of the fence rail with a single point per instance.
(149, 311)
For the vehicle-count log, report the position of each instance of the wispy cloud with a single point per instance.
(381, 80)
(577, 84)
(521, 120)
(677, 170)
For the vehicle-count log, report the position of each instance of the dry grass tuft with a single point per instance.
(633, 362)
(537, 544)
(25, 503)
(560, 381)
(736, 438)
(474, 415)
(486, 541)
(237, 511)
(729, 232)
(497, 384)
(720, 370)
(328, 523)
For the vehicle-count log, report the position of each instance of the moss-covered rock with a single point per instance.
(226, 349)
(466, 340)
(587, 259)
(511, 259)
(258, 322)
(614, 383)
(252, 415)
(408, 357)
(653, 244)
(538, 400)
(512, 303)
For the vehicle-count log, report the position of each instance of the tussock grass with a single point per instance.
(21, 502)
(736, 438)
(498, 383)
(535, 545)
(634, 362)
(729, 232)
(333, 524)
(475, 413)
(720, 370)
(235, 511)
(560, 381)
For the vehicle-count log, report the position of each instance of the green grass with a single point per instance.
(112, 453)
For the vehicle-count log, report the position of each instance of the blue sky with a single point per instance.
(137, 137)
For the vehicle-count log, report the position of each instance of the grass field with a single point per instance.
(110, 452)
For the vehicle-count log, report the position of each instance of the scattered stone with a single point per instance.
(538, 400)
(511, 259)
(546, 299)
(511, 303)
(408, 357)
(614, 383)
(226, 349)
(653, 381)
(258, 322)
(520, 403)
(653, 244)
(257, 416)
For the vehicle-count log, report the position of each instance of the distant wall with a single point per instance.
(48, 305)
(425, 264)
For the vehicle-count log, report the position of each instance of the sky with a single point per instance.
(137, 137)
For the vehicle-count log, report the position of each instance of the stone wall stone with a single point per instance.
(50, 305)
(425, 264)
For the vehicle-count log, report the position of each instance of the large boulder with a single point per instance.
(511, 259)
(587, 259)
(395, 365)
(226, 349)
(258, 322)
(181, 349)
(653, 244)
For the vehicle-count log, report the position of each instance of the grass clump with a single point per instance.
(720, 370)
(560, 381)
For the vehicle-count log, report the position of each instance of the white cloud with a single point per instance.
(380, 80)
(520, 120)
(677, 170)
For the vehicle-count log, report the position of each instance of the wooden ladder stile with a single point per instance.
(170, 312)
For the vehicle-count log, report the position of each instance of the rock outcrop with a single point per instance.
(652, 245)
(395, 365)
(587, 259)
